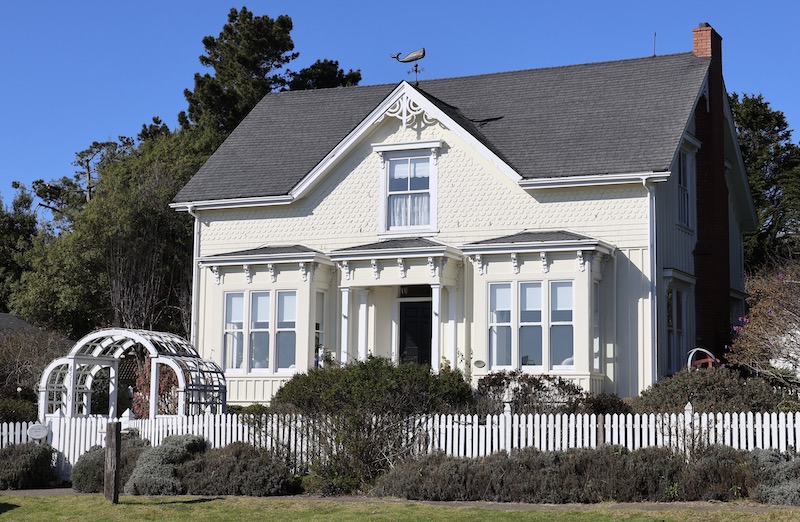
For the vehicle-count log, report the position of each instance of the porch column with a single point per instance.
(113, 386)
(153, 388)
(436, 324)
(362, 325)
(451, 326)
(345, 323)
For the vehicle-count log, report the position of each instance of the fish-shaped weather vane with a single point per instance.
(412, 57)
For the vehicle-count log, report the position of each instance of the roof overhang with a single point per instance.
(394, 253)
(264, 259)
(595, 180)
(540, 246)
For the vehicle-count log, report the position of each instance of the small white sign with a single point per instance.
(38, 431)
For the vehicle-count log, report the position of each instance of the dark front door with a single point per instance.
(415, 332)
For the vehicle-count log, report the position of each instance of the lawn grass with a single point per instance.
(197, 509)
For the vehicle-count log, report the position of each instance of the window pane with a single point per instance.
(287, 304)
(320, 323)
(398, 175)
(530, 303)
(530, 345)
(500, 345)
(259, 315)
(420, 209)
(234, 344)
(561, 345)
(500, 303)
(420, 174)
(234, 311)
(561, 301)
(285, 348)
(398, 211)
(259, 350)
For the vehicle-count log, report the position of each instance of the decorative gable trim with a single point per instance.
(405, 103)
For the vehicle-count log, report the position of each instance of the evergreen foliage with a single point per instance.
(26, 466)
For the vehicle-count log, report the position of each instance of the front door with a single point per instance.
(415, 331)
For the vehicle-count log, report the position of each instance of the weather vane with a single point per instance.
(417, 55)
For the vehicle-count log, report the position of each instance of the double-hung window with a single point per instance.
(519, 329)
(409, 192)
(260, 327)
(408, 186)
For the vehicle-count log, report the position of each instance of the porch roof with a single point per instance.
(538, 240)
(400, 247)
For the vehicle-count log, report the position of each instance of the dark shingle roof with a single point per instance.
(393, 245)
(611, 117)
(534, 237)
(269, 251)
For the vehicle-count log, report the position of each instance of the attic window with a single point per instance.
(408, 186)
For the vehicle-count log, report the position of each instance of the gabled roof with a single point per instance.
(538, 241)
(623, 116)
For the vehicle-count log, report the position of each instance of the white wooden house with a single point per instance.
(584, 221)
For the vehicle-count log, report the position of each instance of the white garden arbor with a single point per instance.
(66, 384)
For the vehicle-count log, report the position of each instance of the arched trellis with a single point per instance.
(66, 382)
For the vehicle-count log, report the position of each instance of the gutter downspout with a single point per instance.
(195, 276)
(653, 297)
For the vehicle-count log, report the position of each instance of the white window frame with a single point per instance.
(412, 150)
(554, 323)
(247, 329)
(515, 324)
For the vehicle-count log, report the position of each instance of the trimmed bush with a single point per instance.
(577, 475)
(155, 474)
(709, 389)
(237, 469)
(25, 466)
(360, 414)
(88, 472)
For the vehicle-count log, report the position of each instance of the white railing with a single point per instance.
(458, 435)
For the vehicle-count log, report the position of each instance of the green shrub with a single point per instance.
(360, 413)
(17, 410)
(712, 390)
(237, 469)
(651, 474)
(777, 476)
(718, 473)
(25, 466)
(155, 472)
(785, 493)
(88, 472)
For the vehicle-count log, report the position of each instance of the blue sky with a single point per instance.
(76, 72)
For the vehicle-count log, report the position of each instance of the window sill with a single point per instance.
(684, 228)
(409, 232)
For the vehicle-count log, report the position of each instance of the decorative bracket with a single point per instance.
(345, 265)
(217, 275)
(314, 267)
(545, 267)
(581, 261)
(479, 263)
(514, 263)
(271, 269)
(432, 266)
(248, 275)
(303, 272)
(401, 264)
(374, 263)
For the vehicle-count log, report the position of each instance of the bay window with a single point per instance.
(255, 322)
(519, 330)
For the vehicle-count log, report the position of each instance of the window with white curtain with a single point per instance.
(409, 192)
(260, 327)
(500, 324)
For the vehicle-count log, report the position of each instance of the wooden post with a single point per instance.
(113, 451)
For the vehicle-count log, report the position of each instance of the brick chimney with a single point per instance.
(707, 42)
(712, 263)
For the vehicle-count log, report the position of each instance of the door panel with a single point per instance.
(415, 332)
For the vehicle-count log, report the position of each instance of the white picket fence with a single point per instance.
(458, 435)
